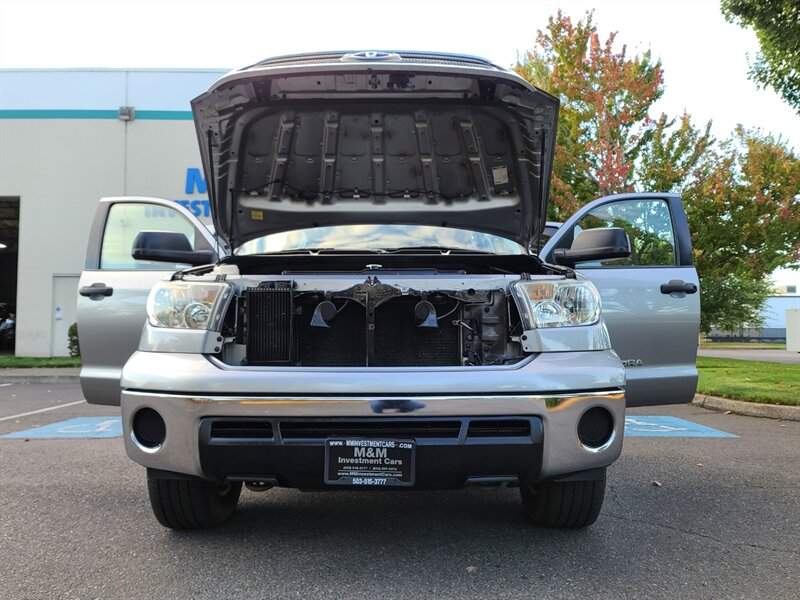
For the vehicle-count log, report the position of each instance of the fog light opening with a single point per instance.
(149, 430)
(596, 429)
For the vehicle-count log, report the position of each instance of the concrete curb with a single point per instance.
(41, 379)
(40, 375)
(749, 409)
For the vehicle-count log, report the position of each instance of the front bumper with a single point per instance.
(449, 452)
(575, 382)
(550, 448)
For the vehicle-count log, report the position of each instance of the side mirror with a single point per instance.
(168, 246)
(595, 244)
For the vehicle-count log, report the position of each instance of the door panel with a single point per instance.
(113, 288)
(654, 332)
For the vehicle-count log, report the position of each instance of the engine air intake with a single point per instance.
(371, 428)
(241, 429)
(499, 428)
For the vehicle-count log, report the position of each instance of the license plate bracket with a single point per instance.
(370, 462)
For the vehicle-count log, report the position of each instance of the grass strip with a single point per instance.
(749, 380)
(31, 362)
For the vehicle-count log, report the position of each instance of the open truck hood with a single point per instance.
(376, 137)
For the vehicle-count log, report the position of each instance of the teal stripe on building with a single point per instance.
(141, 115)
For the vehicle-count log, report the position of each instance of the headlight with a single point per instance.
(561, 303)
(185, 305)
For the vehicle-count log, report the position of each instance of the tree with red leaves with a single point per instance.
(605, 98)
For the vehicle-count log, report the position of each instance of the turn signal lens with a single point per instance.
(185, 305)
(559, 303)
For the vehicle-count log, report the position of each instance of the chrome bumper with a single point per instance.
(562, 451)
(556, 387)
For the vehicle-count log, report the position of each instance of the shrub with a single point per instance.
(74, 345)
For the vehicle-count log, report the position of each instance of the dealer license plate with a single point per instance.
(369, 462)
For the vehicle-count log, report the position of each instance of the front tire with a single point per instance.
(564, 504)
(191, 503)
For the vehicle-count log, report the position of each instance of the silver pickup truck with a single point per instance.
(378, 306)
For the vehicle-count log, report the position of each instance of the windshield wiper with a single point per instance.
(315, 251)
(440, 249)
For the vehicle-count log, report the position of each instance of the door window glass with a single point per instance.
(125, 221)
(649, 227)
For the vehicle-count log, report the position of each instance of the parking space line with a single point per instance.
(41, 410)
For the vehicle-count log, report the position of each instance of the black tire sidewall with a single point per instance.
(564, 504)
(188, 503)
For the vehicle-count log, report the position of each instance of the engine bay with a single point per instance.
(371, 324)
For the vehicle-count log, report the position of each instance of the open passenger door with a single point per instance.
(651, 303)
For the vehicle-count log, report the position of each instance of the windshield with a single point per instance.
(380, 237)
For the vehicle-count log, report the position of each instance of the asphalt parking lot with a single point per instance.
(723, 522)
(767, 355)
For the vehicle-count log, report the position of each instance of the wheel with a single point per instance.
(564, 504)
(191, 503)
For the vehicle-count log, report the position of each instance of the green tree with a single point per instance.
(777, 26)
(675, 149)
(742, 196)
(743, 206)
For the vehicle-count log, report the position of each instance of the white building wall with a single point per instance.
(58, 169)
(62, 148)
(774, 312)
(159, 153)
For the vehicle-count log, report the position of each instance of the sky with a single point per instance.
(704, 57)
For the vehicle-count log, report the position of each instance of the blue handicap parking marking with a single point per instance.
(669, 427)
(80, 427)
